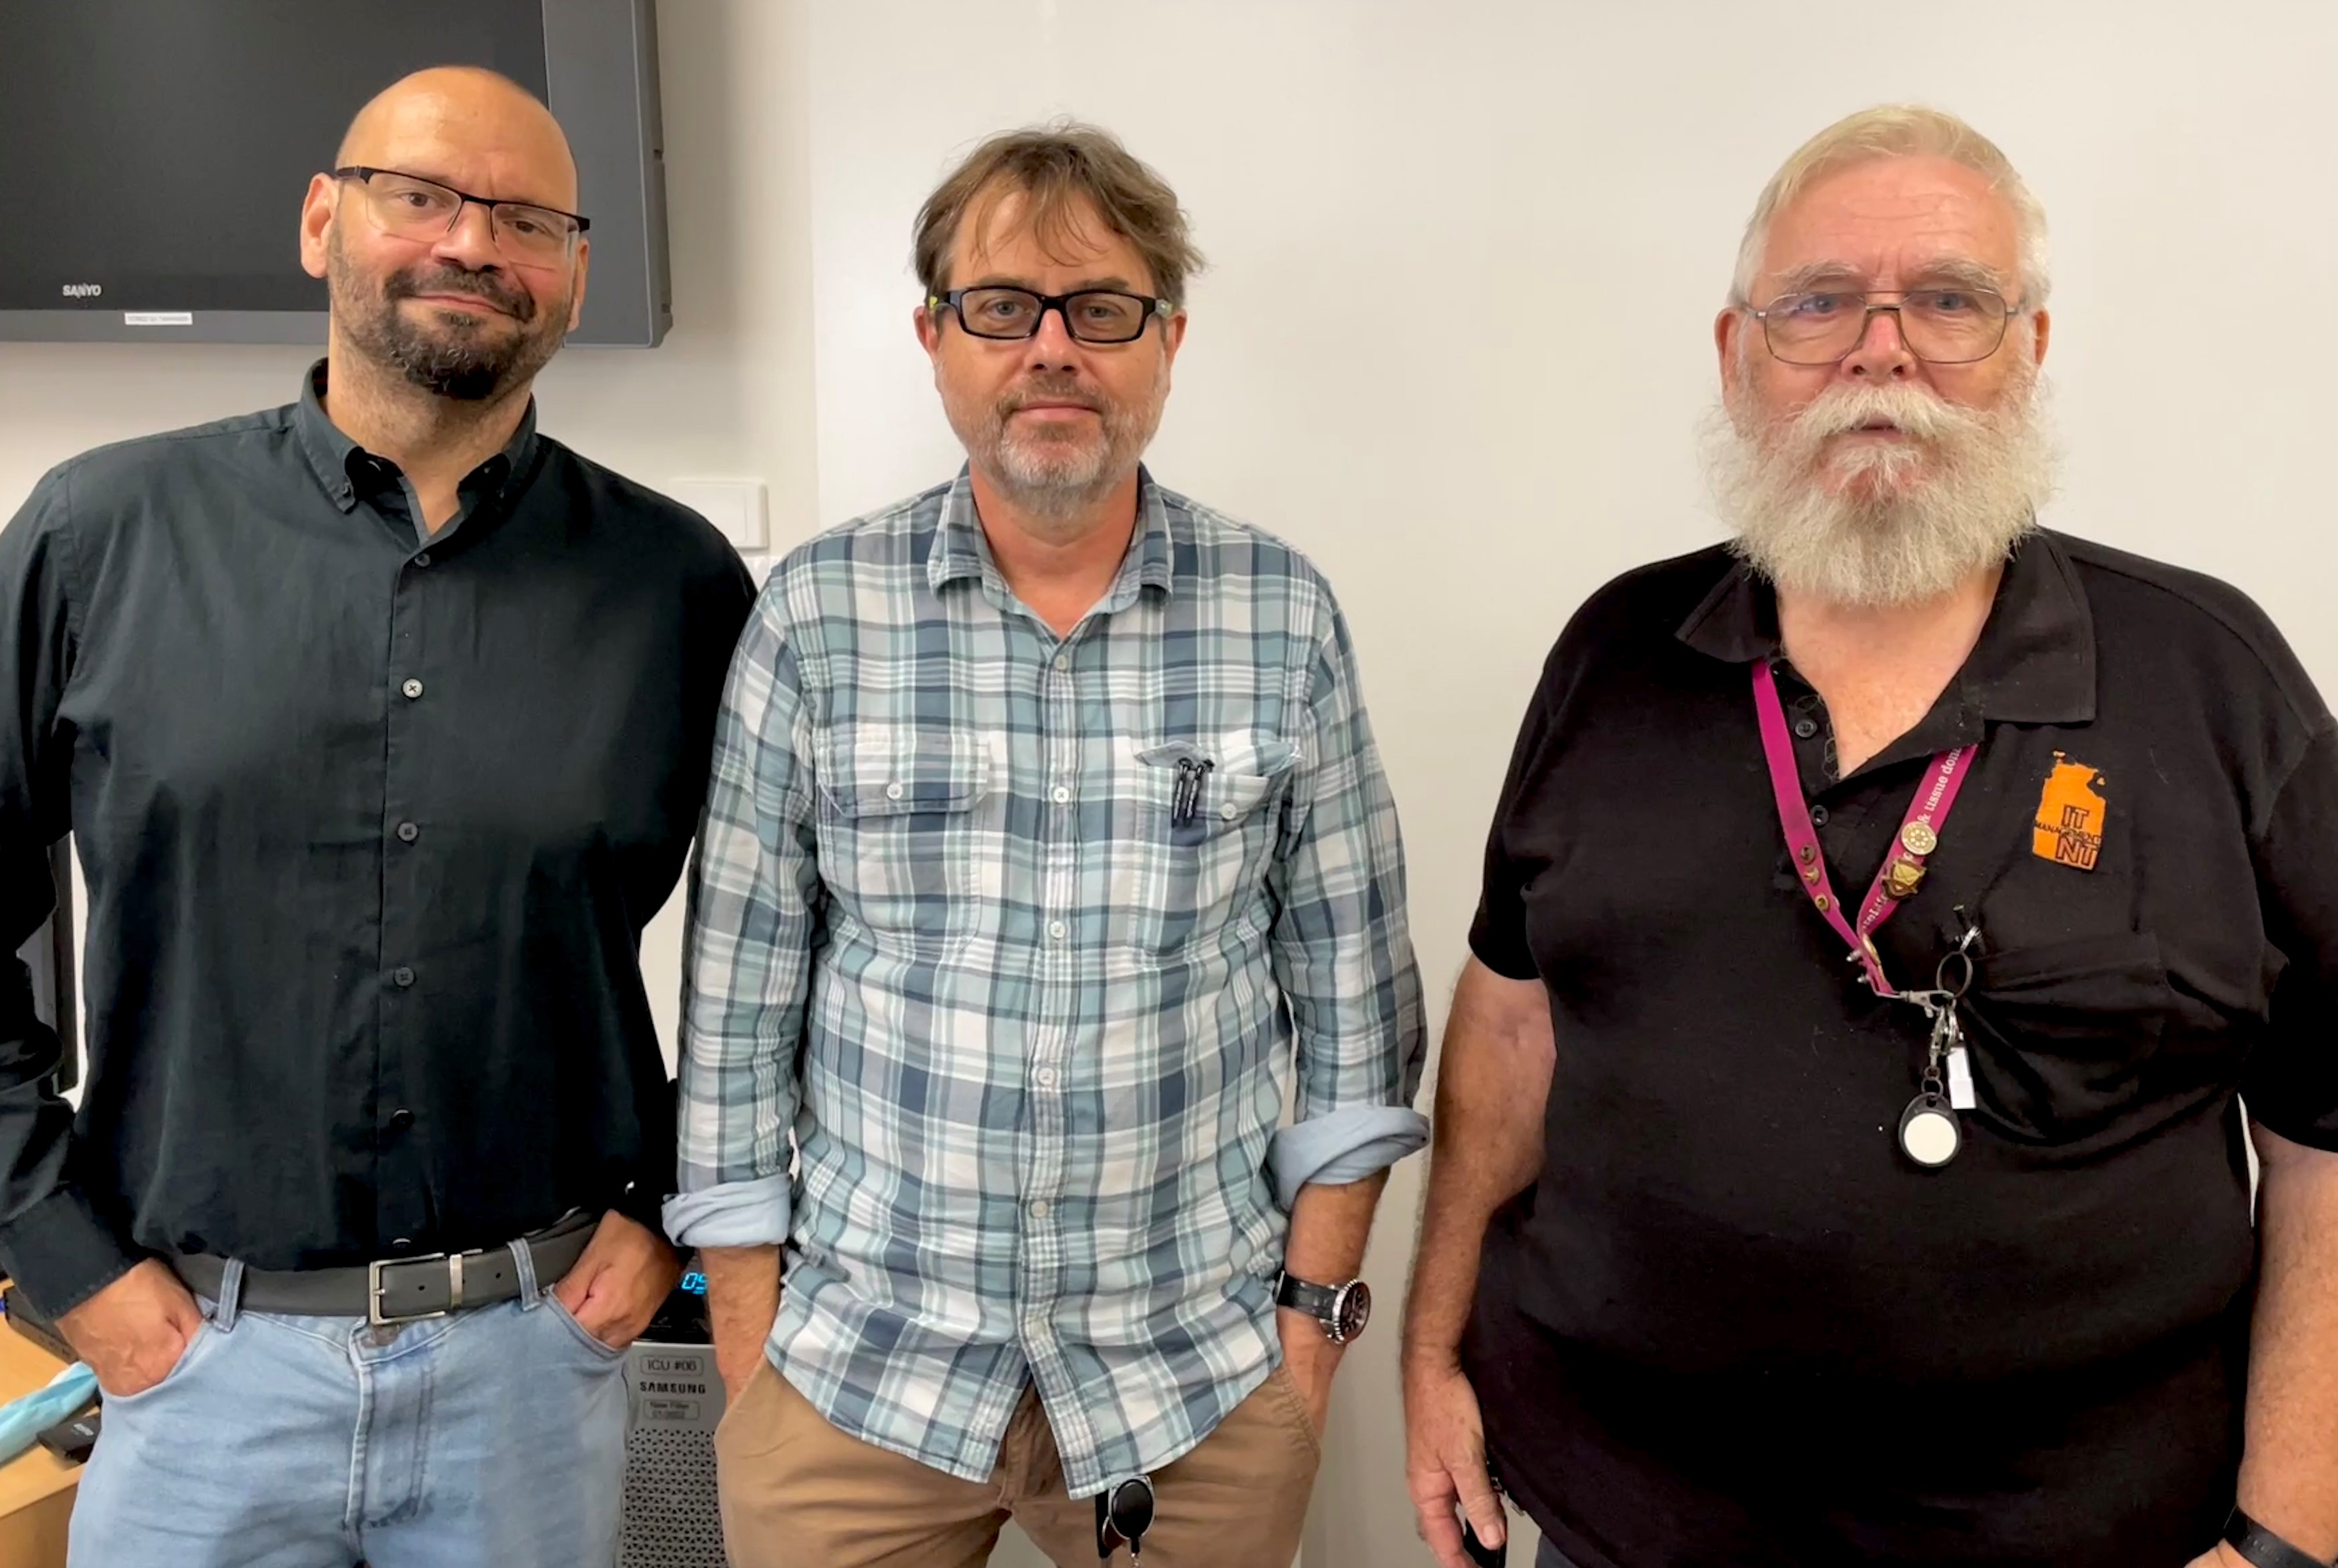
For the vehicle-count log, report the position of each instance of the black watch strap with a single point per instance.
(1305, 1295)
(2262, 1548)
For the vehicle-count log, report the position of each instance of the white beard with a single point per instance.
(1885, 522)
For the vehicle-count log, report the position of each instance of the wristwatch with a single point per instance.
(1341, 1309)
(2262, 1548)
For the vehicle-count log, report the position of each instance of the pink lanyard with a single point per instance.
(1902, 869)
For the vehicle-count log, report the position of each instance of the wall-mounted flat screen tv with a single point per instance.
(153, 153)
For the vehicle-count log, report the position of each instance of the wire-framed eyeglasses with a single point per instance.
(1953, 324)
(413, 208)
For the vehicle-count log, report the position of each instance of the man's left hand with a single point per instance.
(1313, 1360)
(617, 1286)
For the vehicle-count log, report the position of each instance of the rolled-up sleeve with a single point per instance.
(1340, 949)
(754, 902)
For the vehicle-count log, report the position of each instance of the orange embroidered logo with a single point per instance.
(2070, 816)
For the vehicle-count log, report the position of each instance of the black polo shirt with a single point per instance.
(1730, 1322)
(371, 823)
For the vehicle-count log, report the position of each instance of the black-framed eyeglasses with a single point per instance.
(413, 208)
(1090, 315)
(1948, 325)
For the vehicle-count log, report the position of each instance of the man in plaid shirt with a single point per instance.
(1047, 846)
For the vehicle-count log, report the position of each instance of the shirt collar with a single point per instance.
(348, 472)
(2033, 664)
(961, 551)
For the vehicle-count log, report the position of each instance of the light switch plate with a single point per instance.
(733, 506)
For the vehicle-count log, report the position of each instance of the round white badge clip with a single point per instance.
(1929, 1132)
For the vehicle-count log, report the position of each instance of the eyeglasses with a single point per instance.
(1090, 316)
(1945, 326)
(415, 209)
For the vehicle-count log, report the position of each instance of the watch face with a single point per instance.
(1351, 1311)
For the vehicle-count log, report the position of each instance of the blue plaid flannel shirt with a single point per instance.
(1029, 1027)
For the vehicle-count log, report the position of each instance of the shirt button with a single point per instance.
(408, 832)
(1038, 1208)
(1229, 810)
(1804, 728)
(401, 976)
(1818, 816)
(893, 791)
(423, 559)
(1061, 795)
(401, 1118)
(1058, 930)
(400, 1243)
(1045, 1077)
(1062, 662)
(412, 687)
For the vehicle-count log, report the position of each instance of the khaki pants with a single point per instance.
(797, 1492)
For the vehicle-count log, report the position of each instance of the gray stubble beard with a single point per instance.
(1060, 486)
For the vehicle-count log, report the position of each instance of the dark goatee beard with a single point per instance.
(1902, 522)
(460, 361)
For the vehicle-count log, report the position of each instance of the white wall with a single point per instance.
(1455, 343)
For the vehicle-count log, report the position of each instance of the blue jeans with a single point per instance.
(496, 1437)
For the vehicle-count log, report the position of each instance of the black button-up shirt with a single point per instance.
(1731, 1322)
(371, 822)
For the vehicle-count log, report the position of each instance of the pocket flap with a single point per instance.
(890, 771)
(1243, 772)
(2114, 971)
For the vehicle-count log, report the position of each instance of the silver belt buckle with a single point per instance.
(374, 1287)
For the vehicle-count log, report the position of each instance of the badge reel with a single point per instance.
(1930, 1133)
(1123, 1514)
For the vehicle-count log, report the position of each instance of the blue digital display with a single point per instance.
(694, 1283)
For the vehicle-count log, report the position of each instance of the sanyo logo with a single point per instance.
(83, 291)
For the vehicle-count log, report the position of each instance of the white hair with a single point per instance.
(1897, 130)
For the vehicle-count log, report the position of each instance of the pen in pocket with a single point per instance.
(1186, 799)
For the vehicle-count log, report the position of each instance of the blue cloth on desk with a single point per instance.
(23, 1420)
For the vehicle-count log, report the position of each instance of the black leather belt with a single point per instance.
(398, 1290)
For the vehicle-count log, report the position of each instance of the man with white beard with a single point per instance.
(1839, 1151)
(1048, 851)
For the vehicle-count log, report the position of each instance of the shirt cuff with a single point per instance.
(755, 1213)
(62, 1253)
(1343, 1146)
(640, 1205)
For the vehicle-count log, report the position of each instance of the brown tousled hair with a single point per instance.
(1053, 166)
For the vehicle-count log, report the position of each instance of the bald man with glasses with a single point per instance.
(381, 722)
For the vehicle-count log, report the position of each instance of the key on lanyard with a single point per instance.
(1952, 979)
(1929, 1131)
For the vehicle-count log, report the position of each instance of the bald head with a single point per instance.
(470, 127)
(462, 302)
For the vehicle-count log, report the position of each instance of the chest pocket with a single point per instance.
(2067, 1032)
(1205, 816)
(909, 836)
